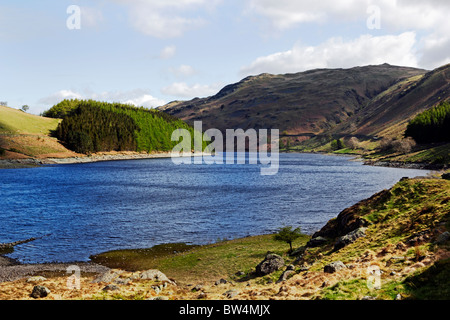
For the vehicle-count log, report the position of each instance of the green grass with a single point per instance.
(211, 261)
(13, 121)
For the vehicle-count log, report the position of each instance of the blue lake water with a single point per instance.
(91, 208)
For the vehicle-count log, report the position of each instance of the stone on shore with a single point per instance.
(334, 267)
(40, 292)
(271, 263)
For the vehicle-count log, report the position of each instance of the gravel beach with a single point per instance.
(10, 270)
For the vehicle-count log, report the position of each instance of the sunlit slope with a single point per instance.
(24, 135)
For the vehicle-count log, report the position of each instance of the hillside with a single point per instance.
(315, 109)
(25, 136)
(388, 113)
(100, 130)
(309, 102)
(92, 126)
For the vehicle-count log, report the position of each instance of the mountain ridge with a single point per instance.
(312, 101)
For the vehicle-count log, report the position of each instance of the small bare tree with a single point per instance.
(352, 143)
(403, 146)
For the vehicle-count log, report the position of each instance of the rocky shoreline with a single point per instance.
(407, 165)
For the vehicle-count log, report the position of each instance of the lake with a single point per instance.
(84, 209)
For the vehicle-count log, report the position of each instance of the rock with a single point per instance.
(197, 288)
(36, 279)
(121, 281)
(40, 292)
(334, 267)
(289, 271)
(111, 287)
(398, 297)
(271, 263)
(240, 273)
(316, 242)
(443, 237)
(108, 277)
(349, 238)
(221, 281)
(231, 294)
(368, 298)
(155, 275)
(160, 298)
(202, 295)
(298, 251)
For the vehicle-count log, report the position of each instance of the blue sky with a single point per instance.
(151, 52)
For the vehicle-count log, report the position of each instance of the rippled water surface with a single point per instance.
(91, 208)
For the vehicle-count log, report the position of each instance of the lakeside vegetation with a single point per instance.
(431, 126)
(90, 126)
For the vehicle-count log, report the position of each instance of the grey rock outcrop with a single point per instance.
(334, 267)
(40, 292)
(349, 238)
(271, 263)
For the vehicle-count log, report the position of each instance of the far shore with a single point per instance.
(119, 156)
(98, 157)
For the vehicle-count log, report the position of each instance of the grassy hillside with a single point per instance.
(14, 121)
(24, 135)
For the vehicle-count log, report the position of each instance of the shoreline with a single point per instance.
(121, 156)
(99, 157)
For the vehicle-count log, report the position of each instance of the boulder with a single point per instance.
(271, 263)
(230, 294)
(40, 292)
(36, 279)
(155, 275)
(334, 267)
(108, 277)
(290, 270)
(349, 238)
(443, 237)
(111, 287)
(316, 242)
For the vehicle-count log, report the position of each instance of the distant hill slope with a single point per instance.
(388, 113)
(308, 102)
(24, 135)
(19, 122)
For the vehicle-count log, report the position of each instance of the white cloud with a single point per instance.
(59, 96)
(182, 71)
(167, 18)
(338, 53)
(138, 97)
(416, 14)
(168, 52)
(183, 90)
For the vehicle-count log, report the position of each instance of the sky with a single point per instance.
(151, 52)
